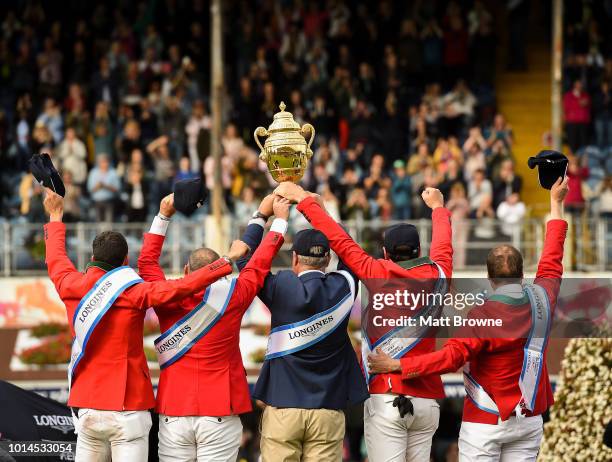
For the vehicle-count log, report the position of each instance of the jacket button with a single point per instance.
(219, 419)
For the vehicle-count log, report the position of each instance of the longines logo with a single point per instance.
(311, 330)
(174, 341)
(62, 423)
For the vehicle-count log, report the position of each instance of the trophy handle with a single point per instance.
(260, 131)
(305, 128)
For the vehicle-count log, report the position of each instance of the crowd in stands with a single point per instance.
(118, 95)
(587, 105)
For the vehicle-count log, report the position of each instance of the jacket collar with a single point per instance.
(510, 294)
(99, 264)
(420, 261)
(313, 273)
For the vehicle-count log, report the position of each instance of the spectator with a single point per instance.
(246, 205)
(51, 117)
(163, 166)
(381, 206)
(137, 189)
(72, 199)
(577, 114)
(184, 171)
(103, 185)
(31, 197)
(511, 213)
(605, 199)
(72, 156)
(445, 151)
(480, 195)
(401, 190)
(357, 205)
(420, 160)
(506, 183)
(459, 207)
(458, 109)
(500, 131)
(602, 115)
(376, 177)
(453, 175)
(577, 174)
(197, 130)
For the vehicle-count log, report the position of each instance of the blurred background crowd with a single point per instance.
(401, 94)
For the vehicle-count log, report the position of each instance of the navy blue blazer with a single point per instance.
(324, 375)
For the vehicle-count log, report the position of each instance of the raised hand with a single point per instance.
(281, 208)
(559, 190)
(265, 207)
(238, 249)
(291, 191)
(54, 205)
(166, 206)
(433, 198)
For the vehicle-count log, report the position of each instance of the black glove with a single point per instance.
(403, 405)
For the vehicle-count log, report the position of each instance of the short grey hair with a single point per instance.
(314, 262)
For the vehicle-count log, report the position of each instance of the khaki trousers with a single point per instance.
(306, 435)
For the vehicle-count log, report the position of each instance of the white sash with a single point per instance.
(290, 338)
(399, 341)
(533, 357)
(94, 306)
(178, 340)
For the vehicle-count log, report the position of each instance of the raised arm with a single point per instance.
(254, 233)
(252, 278)
(550, 264)
(441, 250)
(148, 260)
(61, 270)
(157, 293)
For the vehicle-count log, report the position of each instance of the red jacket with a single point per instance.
(366, 267)
(113, 374)
(496, 363)
(209, 379)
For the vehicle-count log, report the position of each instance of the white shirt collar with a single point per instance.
(510, 290)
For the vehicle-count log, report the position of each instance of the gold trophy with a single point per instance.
(285, 151)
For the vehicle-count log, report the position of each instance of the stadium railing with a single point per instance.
(589, 248)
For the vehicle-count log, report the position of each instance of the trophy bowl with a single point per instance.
(285, 151)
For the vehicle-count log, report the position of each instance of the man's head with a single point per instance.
(401, 242)
(103, 162)
(504, 265)
(110, 247)
(310, 251)
(200, 258)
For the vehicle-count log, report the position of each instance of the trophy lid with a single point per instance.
(283, 121)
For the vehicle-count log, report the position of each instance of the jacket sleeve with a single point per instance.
(147, 294)
(354, 257)
(550, 266)
(148, 260)
(62, 272)
(252, 237)
(255, 273)
(449, 358)
(441, 250)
